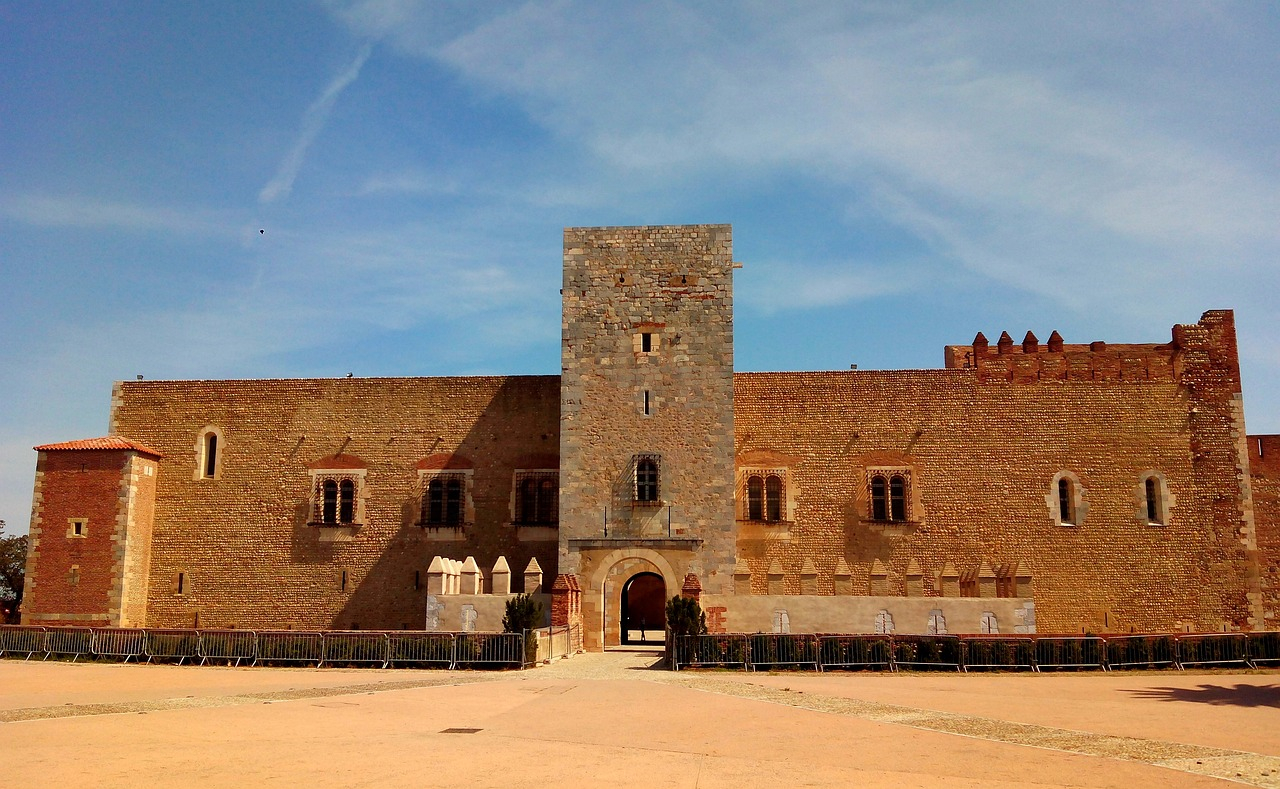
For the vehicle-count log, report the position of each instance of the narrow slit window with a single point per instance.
(1064, 502)
(646, 402)
(182, 582)
(417, 584)
(343, 582)
(210, 455)
(646, 342)
(1154, 510)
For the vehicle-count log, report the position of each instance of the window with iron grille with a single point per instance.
(537, 498)
(336, 500)
(646, 469)
(444, 500)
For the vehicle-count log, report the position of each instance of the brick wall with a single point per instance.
(100, 577)
(1264, 465)
(243, 542)
(982, 451)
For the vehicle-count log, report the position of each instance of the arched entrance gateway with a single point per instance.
(644, 609)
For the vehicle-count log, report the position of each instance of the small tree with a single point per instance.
(685, 617)
(13, 566)
(523, 613)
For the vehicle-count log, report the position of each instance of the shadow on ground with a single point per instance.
(1239, 695)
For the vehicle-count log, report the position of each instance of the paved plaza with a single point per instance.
(612, 720)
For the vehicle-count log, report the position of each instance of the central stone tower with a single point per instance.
(646, 414)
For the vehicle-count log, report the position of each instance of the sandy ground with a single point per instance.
(608, 719)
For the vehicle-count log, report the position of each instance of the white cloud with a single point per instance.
(312, 122)
(1001, 136)
(88, 212)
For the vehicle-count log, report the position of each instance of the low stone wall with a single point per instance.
(480, 613)
(843, 614)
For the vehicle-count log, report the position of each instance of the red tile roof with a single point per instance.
(105, 442)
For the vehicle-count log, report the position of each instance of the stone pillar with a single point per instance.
(842, 578)
(692, 588)
(501, 576)
(808, 578)
(914, 586)
(741, 577)
(986, 581)
(471, 580)
(566, 606)
(533, 577)
(436, 583)
(777, 580)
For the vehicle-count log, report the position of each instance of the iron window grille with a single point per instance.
(443, 500)
(645, 472)
(537, 498)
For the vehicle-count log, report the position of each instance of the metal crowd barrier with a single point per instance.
(170, 644)
(927, 652)
(1213, 650)
(421, 649)
(1150, 651)
(21, 638)
(290, 646)
(855, 651)
(1070, 652)
(119, 642)
(784, 649)
(707, 651)
(229, 645)
(1000, 652)
(73, 641)
(356, 646)
(1264, 648)
(478, 649)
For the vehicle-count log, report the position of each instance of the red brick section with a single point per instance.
(566, 605)
(692, 587)
(243, 542)
(716, 619)
(983, 443)
(80, 580)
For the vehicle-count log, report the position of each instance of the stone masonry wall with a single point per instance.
(982, 453)
(243, 541)
(1264, 465)
(675, 285)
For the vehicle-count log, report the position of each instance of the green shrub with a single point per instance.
(685, 617)
(523, 613)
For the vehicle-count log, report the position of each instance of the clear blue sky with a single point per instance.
(899, 176)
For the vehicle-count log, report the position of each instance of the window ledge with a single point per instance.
(336, 532)
(893, 528)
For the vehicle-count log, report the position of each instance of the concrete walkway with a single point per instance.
(612, 719)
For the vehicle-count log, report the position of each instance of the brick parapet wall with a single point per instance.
(243, 542)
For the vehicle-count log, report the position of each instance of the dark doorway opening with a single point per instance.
(644, 609)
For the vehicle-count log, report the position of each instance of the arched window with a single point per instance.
(897, 498)
(647, 479)
(1066, 502)
(773, 497)
(329, 507)
(210, 455)
(755, 498)
(879, 498)
(548, 505)
(1154, 515)
(443, 501)
(346, 501)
